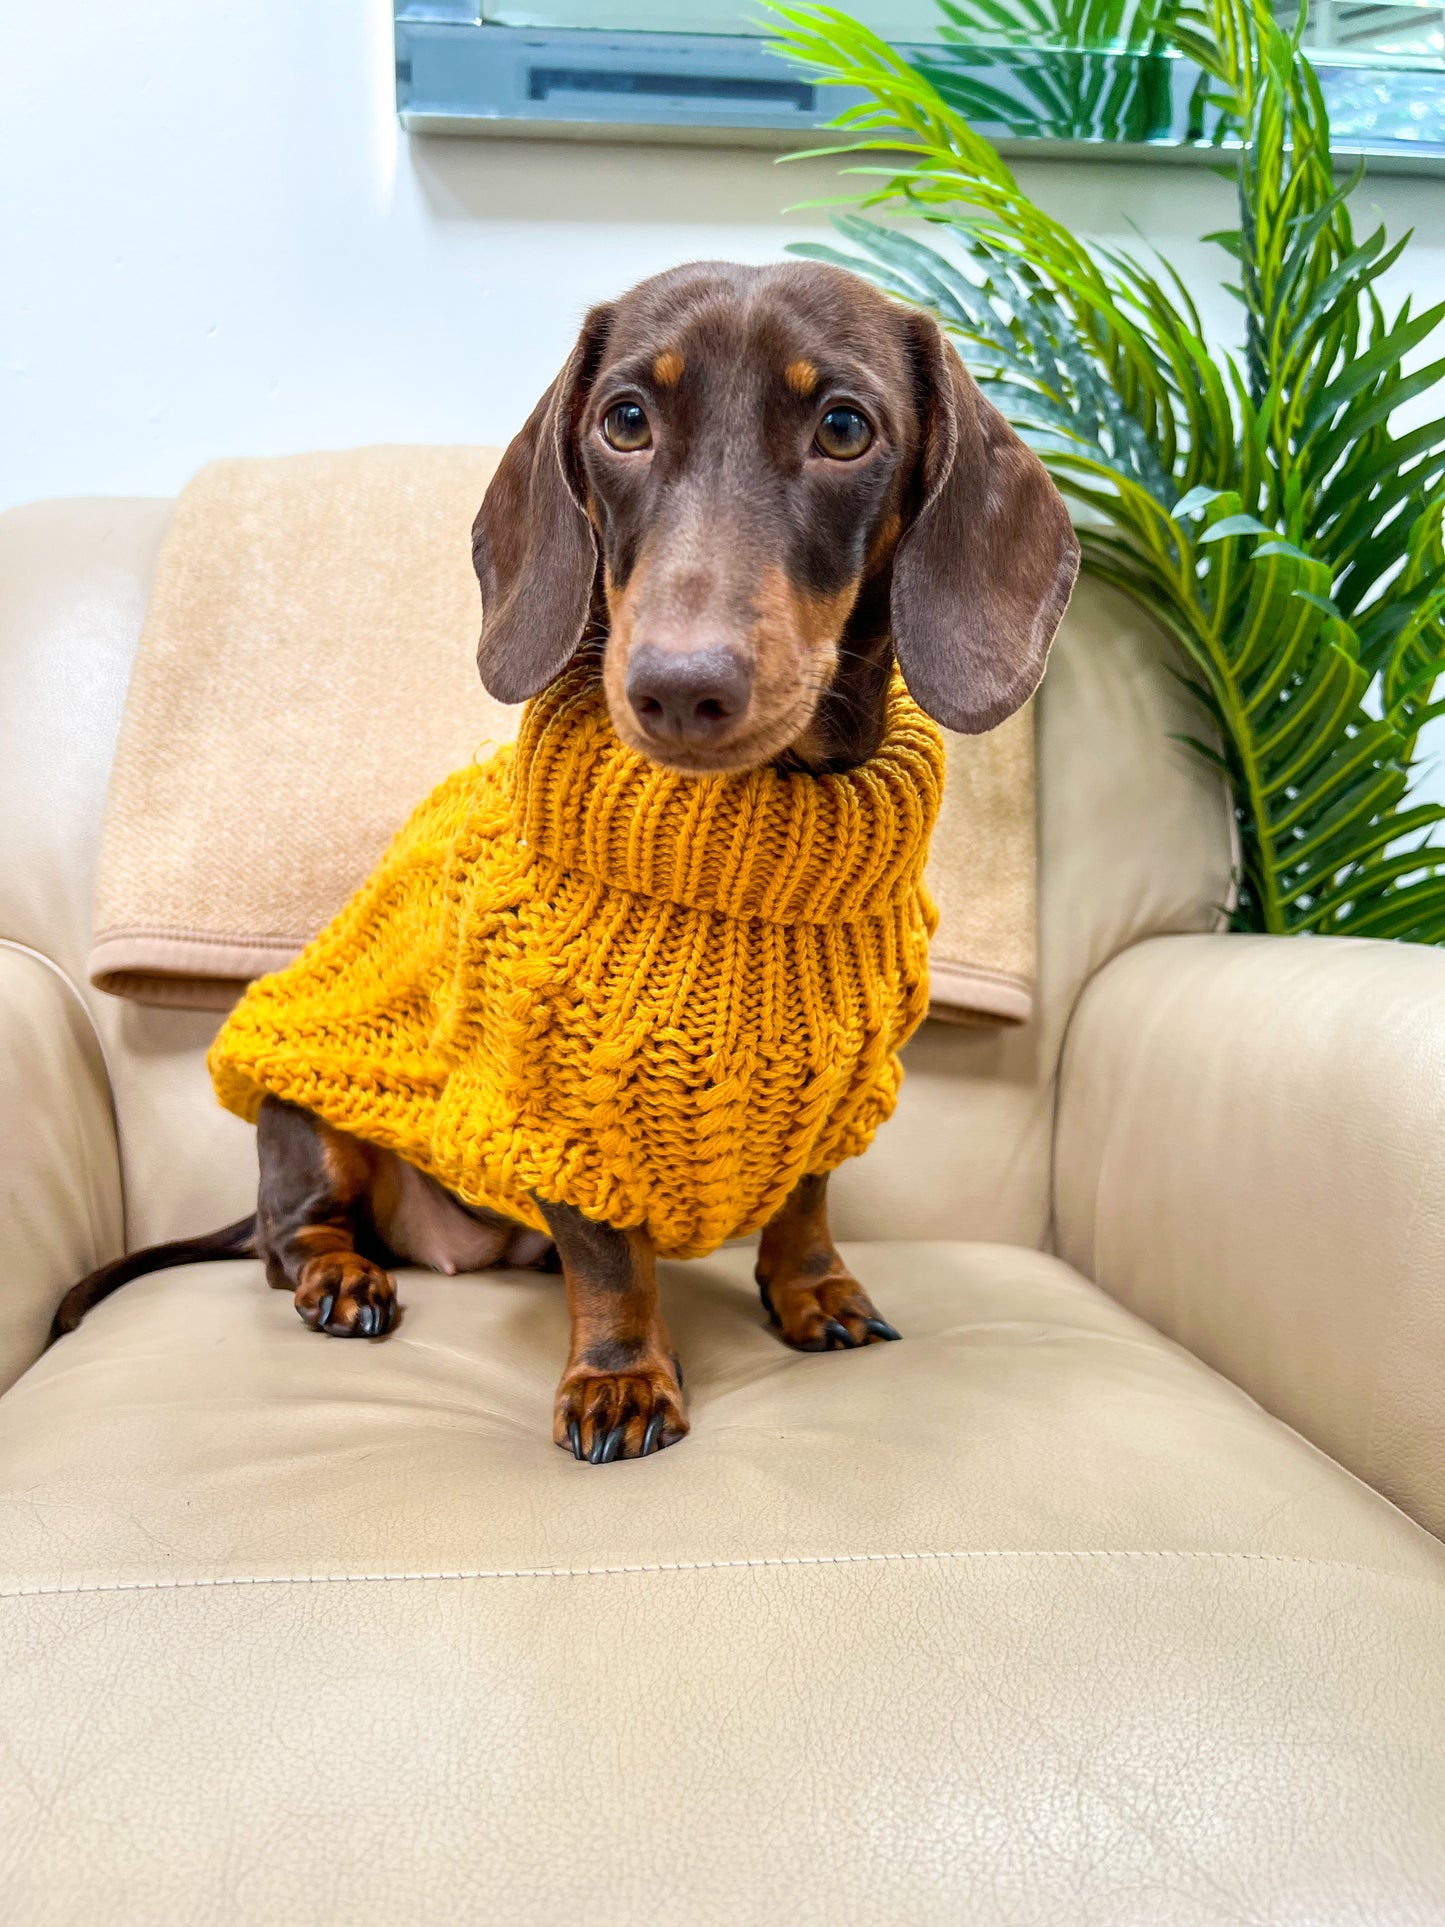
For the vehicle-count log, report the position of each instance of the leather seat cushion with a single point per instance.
(1031, 1616)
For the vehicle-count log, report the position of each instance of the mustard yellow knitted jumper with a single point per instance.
(662, 999)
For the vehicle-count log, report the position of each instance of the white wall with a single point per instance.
(215, 240)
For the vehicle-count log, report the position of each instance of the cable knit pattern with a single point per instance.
(662, 999)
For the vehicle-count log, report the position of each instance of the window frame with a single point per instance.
(459, 74)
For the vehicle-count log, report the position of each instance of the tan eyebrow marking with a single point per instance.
(667, 368)
(802, 377)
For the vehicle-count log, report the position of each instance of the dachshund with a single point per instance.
(758, 489)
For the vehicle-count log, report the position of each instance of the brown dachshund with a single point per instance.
(758, 487)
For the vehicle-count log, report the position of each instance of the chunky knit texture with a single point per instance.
(662, 999)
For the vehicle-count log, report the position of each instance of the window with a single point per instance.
(700, 70)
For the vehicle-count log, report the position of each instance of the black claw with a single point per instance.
(574, 1437)
(651, 1435)
(324, 1311)
(366, 1320)
(594, 1457)
(833, 1331)
(612, 1444)
(881, 1328)
(767, 1298)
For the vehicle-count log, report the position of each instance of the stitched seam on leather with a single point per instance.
(694, 1565)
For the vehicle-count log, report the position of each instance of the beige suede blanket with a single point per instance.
(307, 672)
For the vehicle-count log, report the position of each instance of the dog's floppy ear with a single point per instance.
(984, 573)
(532, 544)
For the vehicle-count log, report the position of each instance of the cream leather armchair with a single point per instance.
(1110, 1596)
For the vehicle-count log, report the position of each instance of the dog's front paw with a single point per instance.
(346, 1296)
(828, 1314)
(600, 1416)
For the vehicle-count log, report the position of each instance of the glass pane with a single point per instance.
(1397, 33)
(1376, 32)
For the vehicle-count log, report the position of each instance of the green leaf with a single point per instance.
(1308, 595)
(1412, 911)
(1235, 525)
(1195, 501)
(1360, 374)
(1278, 546)
(1203, 750)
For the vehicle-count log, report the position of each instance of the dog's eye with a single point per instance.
(843, 434)
(626, 428)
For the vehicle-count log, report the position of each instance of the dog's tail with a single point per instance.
(236, 1241)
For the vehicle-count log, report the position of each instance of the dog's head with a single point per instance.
(758, 484)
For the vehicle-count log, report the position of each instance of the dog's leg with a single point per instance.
(621, 1394)
(807, 1291)
(314, 1184)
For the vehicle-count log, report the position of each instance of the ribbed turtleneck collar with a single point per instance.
(786, 848)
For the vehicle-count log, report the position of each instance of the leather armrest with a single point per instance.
(60, 1187)
(1250, 1153)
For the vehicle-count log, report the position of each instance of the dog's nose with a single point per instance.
(687, 695)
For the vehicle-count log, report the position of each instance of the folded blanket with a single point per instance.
(307, 671)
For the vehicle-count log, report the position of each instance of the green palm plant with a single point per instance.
(1259, 504)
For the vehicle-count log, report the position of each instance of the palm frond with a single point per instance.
(1259, 503)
